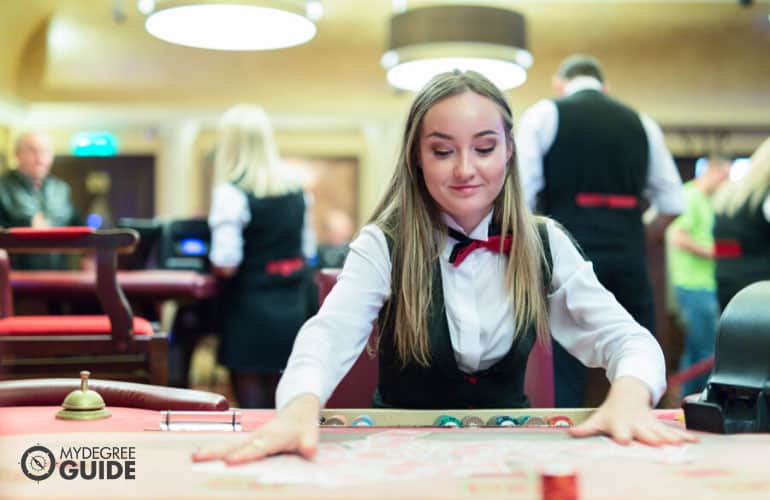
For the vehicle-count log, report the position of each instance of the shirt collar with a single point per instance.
(480, 232)
(582, 83)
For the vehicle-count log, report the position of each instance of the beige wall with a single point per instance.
(67, 66)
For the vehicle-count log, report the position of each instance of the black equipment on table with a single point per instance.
(738, 391)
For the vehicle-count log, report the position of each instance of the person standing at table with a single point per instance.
(461, 279)
(690, 259)
(742, 228)
(31, 197)
(259, 223)
(586, 159)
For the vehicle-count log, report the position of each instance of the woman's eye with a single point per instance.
(485, 151)
(441, 153)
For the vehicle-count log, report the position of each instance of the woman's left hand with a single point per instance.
(626, 416)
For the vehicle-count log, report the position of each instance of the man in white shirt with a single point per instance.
(587, 160)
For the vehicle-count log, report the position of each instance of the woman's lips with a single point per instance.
(465, 189)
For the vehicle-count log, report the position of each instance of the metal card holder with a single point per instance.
(201, 421)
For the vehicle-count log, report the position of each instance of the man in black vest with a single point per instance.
(586, 160)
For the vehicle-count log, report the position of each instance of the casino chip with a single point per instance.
(558, 482)
(447, 421)
(522, 420)
(502, 421)
(362, 421)
(560, 421)
(535, 421)
(472, 421)
(335, 420)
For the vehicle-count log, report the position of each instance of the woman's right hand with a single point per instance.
(293, 430)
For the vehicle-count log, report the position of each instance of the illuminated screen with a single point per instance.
(194, 247)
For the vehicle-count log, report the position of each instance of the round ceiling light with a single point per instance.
(232, 24)
(431, 40)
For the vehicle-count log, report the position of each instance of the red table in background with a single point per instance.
(145, 290)
(147, 285)
(725, 467)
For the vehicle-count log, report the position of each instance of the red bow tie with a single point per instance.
(466, 245)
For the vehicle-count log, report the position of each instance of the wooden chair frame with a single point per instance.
(24, 356)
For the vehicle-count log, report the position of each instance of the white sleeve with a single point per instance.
(228, 215)
(309, 240)
(329, 343)
(535, 136)
(766, 208)
(664, 185)
(588, 321)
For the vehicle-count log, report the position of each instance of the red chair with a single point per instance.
(116, 344)
(357, 387)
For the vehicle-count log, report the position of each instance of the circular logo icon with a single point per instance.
(38, 463)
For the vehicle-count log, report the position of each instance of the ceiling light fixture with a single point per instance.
(430, 40)
(232, 24)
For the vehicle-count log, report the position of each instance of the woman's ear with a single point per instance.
(510, 146)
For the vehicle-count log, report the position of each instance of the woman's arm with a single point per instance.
(325, 349)
(329, 343)
(586, 319)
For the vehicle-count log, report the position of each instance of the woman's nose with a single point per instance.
(464, 167)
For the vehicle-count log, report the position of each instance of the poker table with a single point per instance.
(147, 284)
(404, 458)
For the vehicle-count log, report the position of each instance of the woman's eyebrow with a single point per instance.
(443, 135)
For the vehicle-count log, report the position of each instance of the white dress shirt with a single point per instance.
(584, 317)
(228, 216)
(537, 133)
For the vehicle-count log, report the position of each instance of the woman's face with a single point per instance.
(463, 153)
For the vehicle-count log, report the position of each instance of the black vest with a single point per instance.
(273, 233)
(443, 385)
(600, 147)
(749, 229)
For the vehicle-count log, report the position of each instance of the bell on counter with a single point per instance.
(83, 403)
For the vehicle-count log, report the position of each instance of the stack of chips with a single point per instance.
(447, 421)
(502, 421)
(362, 421)
(558, 482)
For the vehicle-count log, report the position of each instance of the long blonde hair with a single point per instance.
(751, 188)
(247, 154)
(411, 219)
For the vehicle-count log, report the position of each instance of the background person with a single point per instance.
(258, 217)
(690, 260)
(587, 160)
(31, 197)
(742, 228)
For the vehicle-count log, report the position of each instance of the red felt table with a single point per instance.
(717, 467)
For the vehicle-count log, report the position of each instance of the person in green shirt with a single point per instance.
(691, 267)
(31, 197)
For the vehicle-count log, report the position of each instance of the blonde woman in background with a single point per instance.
(742, 228)
(259, 228)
